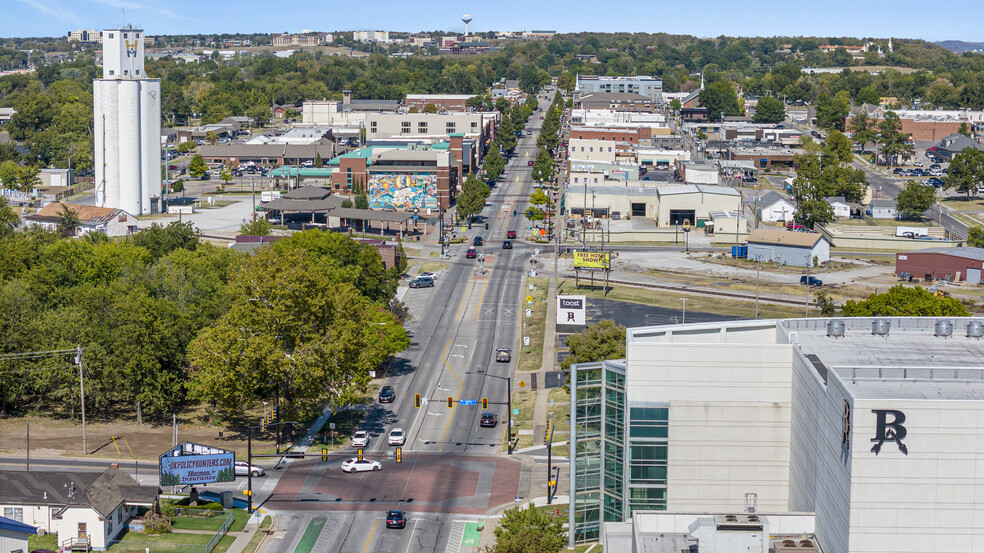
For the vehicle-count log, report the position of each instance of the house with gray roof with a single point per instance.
(842, 209)
(773, 207)
(883, 209)
(84, 509)
(954, 144)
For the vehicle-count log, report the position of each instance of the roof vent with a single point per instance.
(753, 518)
(944, 328)
(975, 329)
(731, 518)
(835, 328)
(880, 327)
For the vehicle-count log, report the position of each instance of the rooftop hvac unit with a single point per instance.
(975, 329)
(835, 328)
(880, 327)
(944, 328)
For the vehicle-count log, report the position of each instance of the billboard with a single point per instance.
(572, 310)
(592, 260)
(403, 191)
(190, 463)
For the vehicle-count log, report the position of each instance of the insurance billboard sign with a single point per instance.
(190, 463)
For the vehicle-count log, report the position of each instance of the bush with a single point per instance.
(157, 523)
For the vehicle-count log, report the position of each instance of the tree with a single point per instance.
(361, 201)
(535, 214)
(720, 99)
(260, 114)
(211, 137)
(975, 236)
(68, 221)
(303, 336)
(863, 129)
(966, 171)
(825, 304)
(600, 341)
(838, 147)
(769, 110)
(186, 146)
(318, 162)
(259, 227)
(566, 81)
(505, 134)
(675, 105)
(471, 201)
(528, 531)
(904, 301)
(197, 167)
(347, 204)
(10, 174)
(493, 164)
(226, 175)
(161, 240)
(430, 108)
(914, 200)
(543, 165)
(962, 129)
(894, 142)
(8, 219)
(832, 111)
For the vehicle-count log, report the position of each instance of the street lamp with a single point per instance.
(249, 460)
(509, 442)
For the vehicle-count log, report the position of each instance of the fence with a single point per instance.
(117, 546)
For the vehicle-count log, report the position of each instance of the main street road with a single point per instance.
(453, 471)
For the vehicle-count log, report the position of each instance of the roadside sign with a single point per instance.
(360, 453)
(515, 411)
(331, 425)
(399, 455)
(529, 299)
(324, 454)
(522, 383)
(467, 402)
(686, 225)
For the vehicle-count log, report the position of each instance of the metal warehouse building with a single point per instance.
(788, 247)
(955, 263)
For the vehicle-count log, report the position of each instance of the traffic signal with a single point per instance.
(546, 435)
(416, 401)
(485, 403)
(450, 402)
(324, 454)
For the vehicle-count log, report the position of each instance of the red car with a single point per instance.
(471, 253)
(510, 234)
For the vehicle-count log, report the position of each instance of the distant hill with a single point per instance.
(959, 46)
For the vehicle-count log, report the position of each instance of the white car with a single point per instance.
(428, 274)
(355, 465)
(397, 437)
(243, 468)
(360, 438)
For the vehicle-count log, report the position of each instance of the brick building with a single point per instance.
(401, 178)
(443, 102)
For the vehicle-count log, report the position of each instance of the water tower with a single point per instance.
(467, 19)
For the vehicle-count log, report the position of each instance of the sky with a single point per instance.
(959, 20)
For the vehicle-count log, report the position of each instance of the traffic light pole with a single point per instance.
(509, 442)
(249, 469)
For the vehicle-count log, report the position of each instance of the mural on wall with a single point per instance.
(403, 191)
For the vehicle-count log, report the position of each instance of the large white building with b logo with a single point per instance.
(850, 435)
(126, 127)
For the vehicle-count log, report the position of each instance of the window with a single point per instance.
(372, 126)
(474, 125)
(449, 126)
(405, 128)
(124, 35)
(591, 148)
(110, 35)
(421, 126)
(348, 176)
(14, 513)
(110, 71)
(137, 71)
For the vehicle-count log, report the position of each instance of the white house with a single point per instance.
(787, 247)
(882, 209)
(109, 221)
(840, 206)
(13, 535)
(82, 508)
(774, 207)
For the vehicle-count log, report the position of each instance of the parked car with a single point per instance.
(530, 163)
(386, 394)
(422, 282)
(934, 181)
(428, 274)
(812, 280)
(355, 465)
(488, 420)
(243, 468)
(792, 226)
(477, 241)
(503, 355)
(511, 234)
(471, 253)
(397, 437)
(395, 519)
(507, 244)
(360, 438)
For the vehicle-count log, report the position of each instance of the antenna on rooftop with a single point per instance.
(467, 19)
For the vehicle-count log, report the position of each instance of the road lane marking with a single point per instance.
(372, 532)
(410, 541)
(480, 300)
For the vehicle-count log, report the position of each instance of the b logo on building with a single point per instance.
(889, 430)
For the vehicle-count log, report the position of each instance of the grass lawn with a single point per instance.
(552, 510)
(48, 541)
(239, 518)
(559, 395)
(672, 300)
(583, 548)
(434, 266)
(216, 204)
(774, 267)
(137, 537)
(531, 356)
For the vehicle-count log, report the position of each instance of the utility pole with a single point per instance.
(28, 446)
(509, 442)
(807, 302)
(78, 361)
(758, 265)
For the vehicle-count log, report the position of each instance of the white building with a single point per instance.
(106, 220)
(871, 425)
(371, 36)
(585, 149)
(126, 127)
(841, 208)
(774, 207)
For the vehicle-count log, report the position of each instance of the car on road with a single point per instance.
(360, 438)
(397, 437)
(507, 244)
(511, 234)
(387, 394)
(529, 132)
(503, 355)
(471, 253)
(812, 280)
(365, 465)
(428, 274)
(488, 420)
(395, 519)
(478, 241)
(422, 282)
(243, 468)
(530, 163)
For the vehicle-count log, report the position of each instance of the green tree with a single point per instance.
(260, 114)
(962, 129)
(528, 531)
(10, 174)
(832, 111)
(966, 171)
(675, 105)
(598, 342)
(196, 167)
(226, 175)
(8, 219)
(535, 214)
(68, 221)
(361, 201)
(430, 108)
(259, 227)
(904, 301)
(543, 165)
(914, 200)
(186, 146)
(720, 99)
(894, 143)
(493, 164)
(825, 304)
(471, 201)
(211, 137)
(863, 129)
(838, 147)
(505, 134)
(318, 162)
(566, 81)
(975, 236)
(769, 110)
(161, 240)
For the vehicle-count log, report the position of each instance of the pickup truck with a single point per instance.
(811, 280)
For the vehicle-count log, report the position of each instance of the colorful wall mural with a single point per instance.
(403, 191)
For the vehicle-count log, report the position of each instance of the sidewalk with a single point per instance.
(547, 363)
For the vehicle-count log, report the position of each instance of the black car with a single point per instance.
(386, 394)
(488, 420)
(935, 181)
(478, 241)
(507, 244)
(395, 519)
